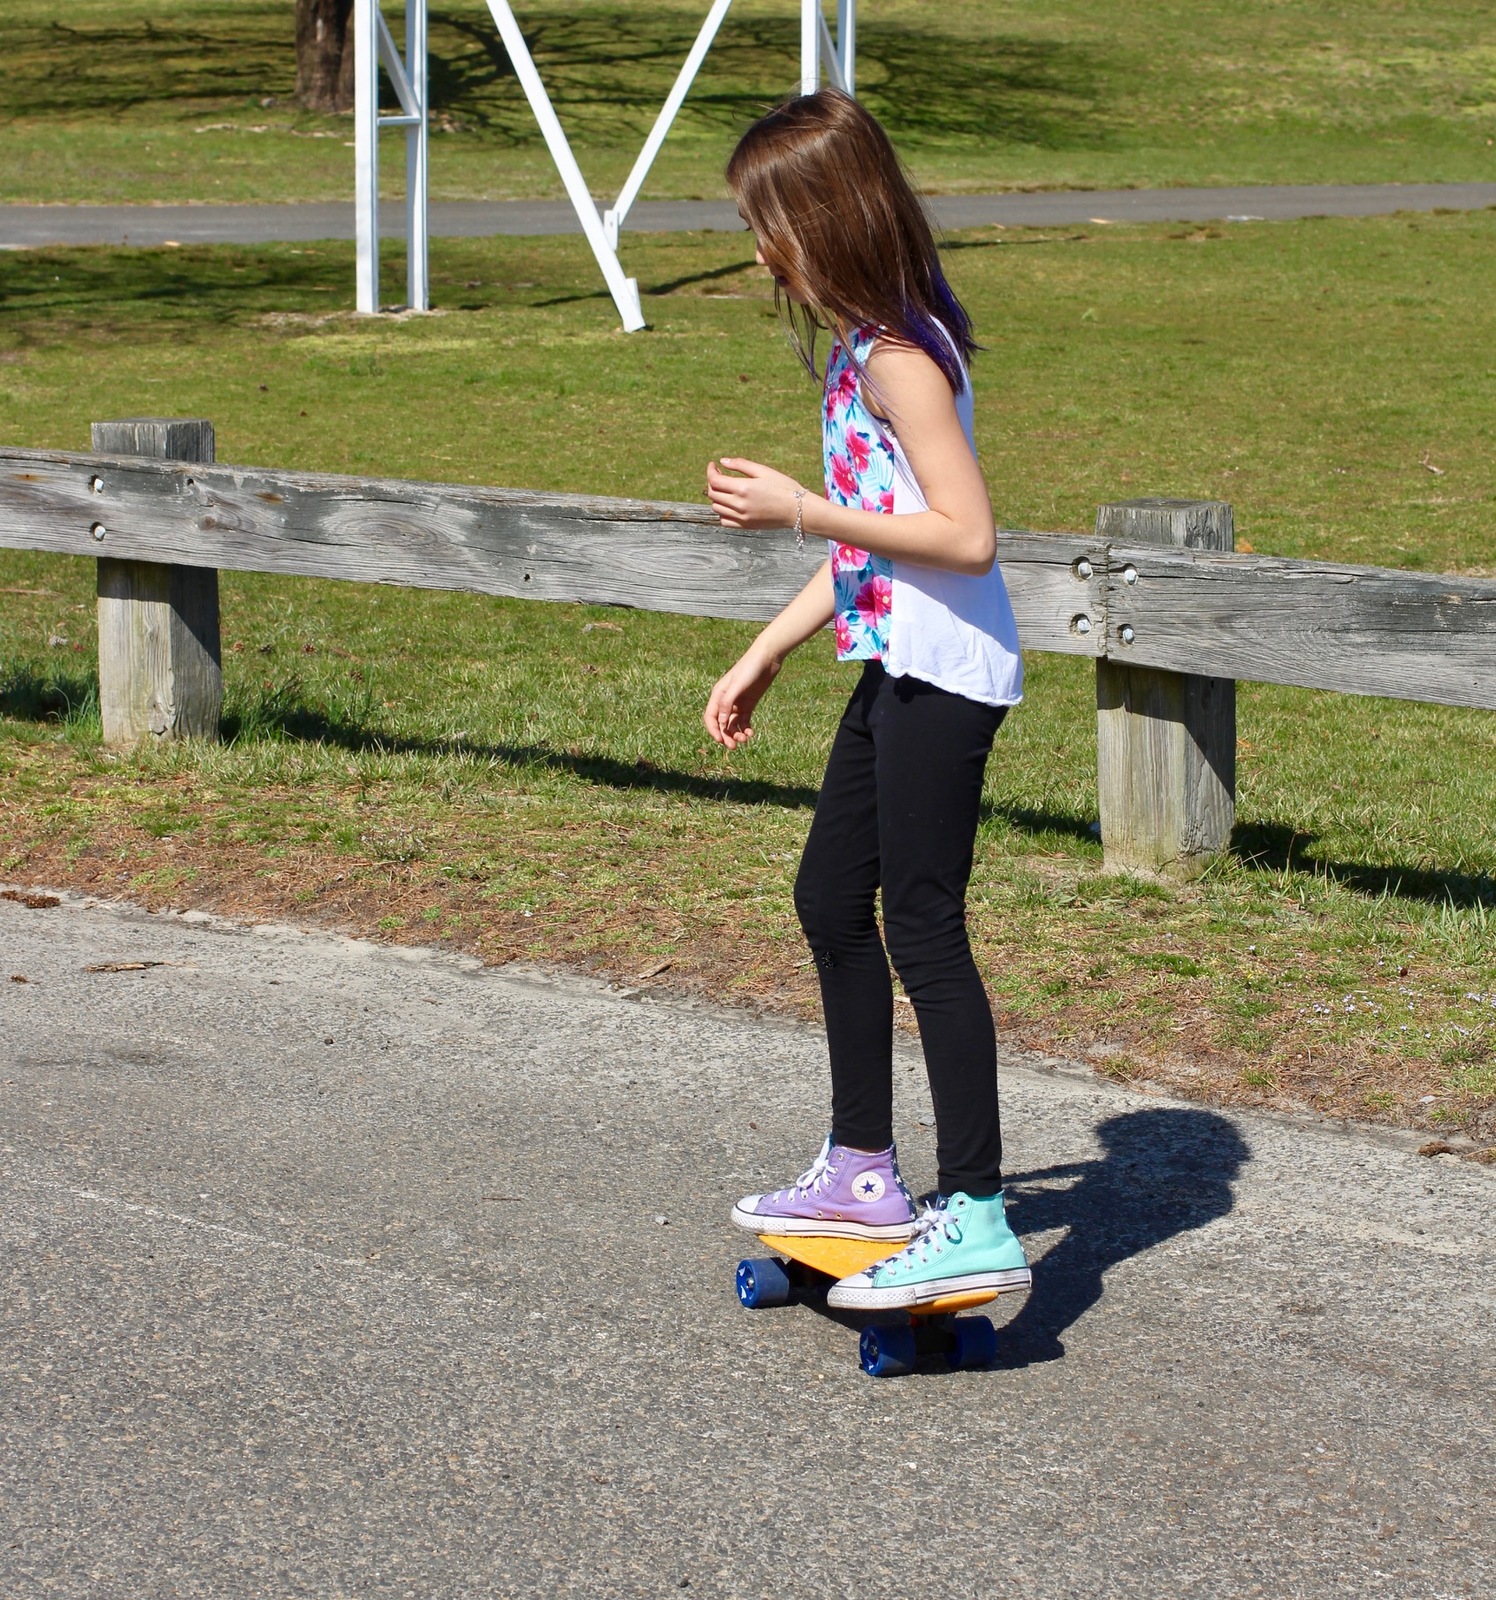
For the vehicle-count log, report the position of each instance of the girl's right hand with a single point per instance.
(729, 709)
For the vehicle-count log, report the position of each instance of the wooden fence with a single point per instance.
(1170, 613)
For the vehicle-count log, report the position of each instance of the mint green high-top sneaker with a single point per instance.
(963, 1247)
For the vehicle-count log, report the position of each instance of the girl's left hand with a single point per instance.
(752, 495)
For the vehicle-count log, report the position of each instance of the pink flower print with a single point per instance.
(875, 600)
(844, 390)
(885, 502)
(843, 635)
(843, 477)
(859, 449)
(848, 557)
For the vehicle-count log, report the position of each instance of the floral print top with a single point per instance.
(860, 474)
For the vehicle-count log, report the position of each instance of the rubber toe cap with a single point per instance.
(850, 1293)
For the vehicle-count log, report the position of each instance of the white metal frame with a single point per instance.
(373, 45)
(613, 218)
(817, 46)
(625, 291)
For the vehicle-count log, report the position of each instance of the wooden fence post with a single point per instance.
(160, 666)
(1165, 741)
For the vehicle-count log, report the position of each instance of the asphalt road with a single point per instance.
(29, 226)
(334, 1270)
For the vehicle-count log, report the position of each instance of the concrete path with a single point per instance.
(25, 226)
(337, 1270)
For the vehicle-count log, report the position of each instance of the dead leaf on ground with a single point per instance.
(124, 966)
(32, 901)
(19, 977)
(658, 967)
(1436, 1147)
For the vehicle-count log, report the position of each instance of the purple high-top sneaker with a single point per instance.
(846, 1194)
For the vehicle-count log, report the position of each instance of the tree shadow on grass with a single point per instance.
(173, 65)
(607, 69)
(46, 292)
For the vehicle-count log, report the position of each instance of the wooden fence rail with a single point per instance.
(1156, 596)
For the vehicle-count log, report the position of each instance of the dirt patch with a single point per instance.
(710, 957)
(32, 902)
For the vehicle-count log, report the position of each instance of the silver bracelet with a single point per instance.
(800, 519)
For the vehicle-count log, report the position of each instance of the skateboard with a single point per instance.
(811, 1263)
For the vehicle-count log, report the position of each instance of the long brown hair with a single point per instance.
(838, 220)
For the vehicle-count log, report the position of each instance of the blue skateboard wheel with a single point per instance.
(887, 1352)
(762, 1283)
(975, 1342)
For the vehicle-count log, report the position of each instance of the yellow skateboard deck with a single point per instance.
(885, 1348)
(839, 1258)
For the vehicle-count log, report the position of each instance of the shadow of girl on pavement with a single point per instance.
(1163, 1172)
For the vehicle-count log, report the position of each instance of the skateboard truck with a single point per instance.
(814, 1262)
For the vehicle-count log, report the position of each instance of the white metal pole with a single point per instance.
(613, 220)
(833, 60)
(366, 153)
(625, 291)
(846, 42)
(390, 60)
(417, 153)
(811, 23)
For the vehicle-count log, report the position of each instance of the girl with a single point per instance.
(913, 590)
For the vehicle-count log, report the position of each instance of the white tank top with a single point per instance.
(947, 628)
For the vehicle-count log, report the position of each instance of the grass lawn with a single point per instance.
(168, 100)
(532, 781)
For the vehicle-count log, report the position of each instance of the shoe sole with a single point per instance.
(912, 1295)
(824, 1228)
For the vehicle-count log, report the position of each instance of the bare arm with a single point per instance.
(801, 619)
(957, 532)
(729, 710)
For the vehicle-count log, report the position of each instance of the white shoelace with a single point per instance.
(937, 1228)
(809, 1182)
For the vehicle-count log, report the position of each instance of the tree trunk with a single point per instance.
(324, 55)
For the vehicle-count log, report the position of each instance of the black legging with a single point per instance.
(898, 808)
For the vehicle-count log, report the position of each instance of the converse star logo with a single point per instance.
(868, 1187)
